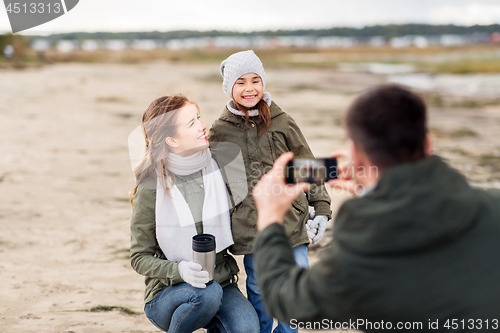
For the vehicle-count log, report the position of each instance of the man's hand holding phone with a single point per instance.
(272, 196)
(345, 179)
(311, 170)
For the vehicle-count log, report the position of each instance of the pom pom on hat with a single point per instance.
(239, 64)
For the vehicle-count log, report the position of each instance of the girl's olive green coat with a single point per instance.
(259, 154)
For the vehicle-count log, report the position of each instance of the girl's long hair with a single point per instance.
(264, 114)
(158, 123)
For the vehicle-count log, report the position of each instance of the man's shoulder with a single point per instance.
(490, 198)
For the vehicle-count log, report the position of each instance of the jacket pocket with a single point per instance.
(233, 266)
(295, 219)
(272, 145)
(277, 144)
(298, 207)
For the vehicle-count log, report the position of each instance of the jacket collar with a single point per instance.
(232, 118)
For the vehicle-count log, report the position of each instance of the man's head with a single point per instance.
(388, 126)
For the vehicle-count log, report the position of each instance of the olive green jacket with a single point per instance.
(422, 247)
(146, 256)
(259, 154)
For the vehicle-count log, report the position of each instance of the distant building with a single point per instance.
(400, 42)
(335, 42)
(40, 45)
(66, 46)
(246, 42)
(232, 42)
(296, 41)
(262, 42)
(377, 41)
(145, 44)
(8, 51)
(478, 38)
(453, 40)
(421, 42)
(495, 38)
(188, 43)
(115, 45)
(90, 45)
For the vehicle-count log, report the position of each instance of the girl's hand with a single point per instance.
(316, 227)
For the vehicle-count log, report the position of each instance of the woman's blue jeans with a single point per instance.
(182, 308)
(266, 321)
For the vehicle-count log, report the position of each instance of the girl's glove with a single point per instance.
(311, 233)
(316, 227)
(191, 273)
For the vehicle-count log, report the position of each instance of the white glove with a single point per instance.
(311, 233)
(316, 225)
(191, 273)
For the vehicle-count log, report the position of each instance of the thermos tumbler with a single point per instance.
(204, 253)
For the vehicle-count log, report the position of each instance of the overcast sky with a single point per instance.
(162, 15)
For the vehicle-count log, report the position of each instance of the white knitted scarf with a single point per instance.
(175, 225)
(187, 165)
(252, 113)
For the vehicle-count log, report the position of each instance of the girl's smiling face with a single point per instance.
(190, 134)
(248, 90)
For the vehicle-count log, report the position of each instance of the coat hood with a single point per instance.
(414, 206)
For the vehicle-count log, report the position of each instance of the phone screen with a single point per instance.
(311, 170)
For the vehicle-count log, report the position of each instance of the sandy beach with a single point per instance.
(65, 175)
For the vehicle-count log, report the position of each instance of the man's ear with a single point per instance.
(429, 145)
(171, 142)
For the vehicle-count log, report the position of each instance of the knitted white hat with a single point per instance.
(239, 64)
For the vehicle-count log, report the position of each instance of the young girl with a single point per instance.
(181, 193)
(263, 132)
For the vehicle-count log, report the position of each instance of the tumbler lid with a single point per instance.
(203, 243)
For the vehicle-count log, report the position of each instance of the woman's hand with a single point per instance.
(192, 273)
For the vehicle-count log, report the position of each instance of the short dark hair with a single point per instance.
(388, 123)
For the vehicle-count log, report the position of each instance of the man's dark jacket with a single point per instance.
(423, 246)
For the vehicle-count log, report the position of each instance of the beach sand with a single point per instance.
(65, 176)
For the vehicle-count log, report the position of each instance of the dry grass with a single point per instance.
(111, 99)
(106, 308)
(459, 133)
(466, 66)
(492, 162)
(457, 60)
(440, 100)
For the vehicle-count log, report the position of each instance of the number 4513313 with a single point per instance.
(34, 8)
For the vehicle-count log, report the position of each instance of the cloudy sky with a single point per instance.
(147, 15)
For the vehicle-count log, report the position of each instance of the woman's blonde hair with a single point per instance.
(158, 123)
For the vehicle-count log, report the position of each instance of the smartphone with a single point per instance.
(311, 170)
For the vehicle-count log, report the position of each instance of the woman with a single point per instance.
(180, 193)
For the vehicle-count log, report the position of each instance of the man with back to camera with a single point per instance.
(418, 251)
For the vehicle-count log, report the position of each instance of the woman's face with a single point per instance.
(191, 134)
(248, 90)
